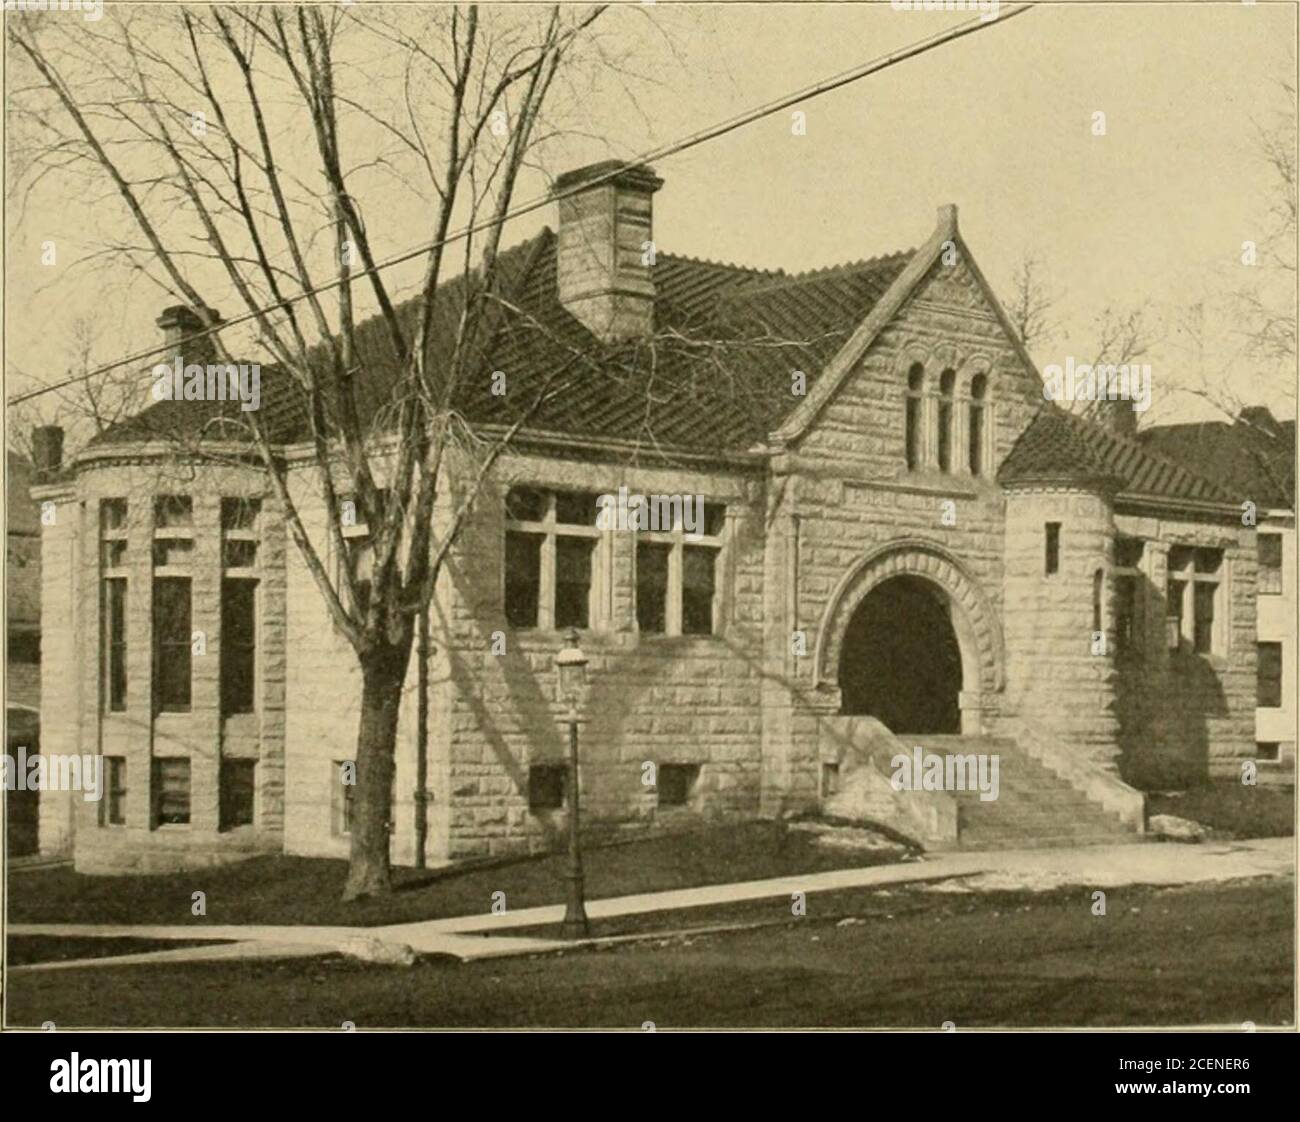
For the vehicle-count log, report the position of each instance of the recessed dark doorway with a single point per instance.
(900, 661)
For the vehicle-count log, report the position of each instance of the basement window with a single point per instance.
(171, 791)
(1268, 752)
(676, 782)
(238, 788)
(546, 786)
(830, 780)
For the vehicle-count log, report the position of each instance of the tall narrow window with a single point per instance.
(1052, 548)
(171, 791)
(1175, 594)
(238, 788)
(1268, 668)
(173, 540)
(697, 590)
(1201, 568)
(975, 430)
(239, 583)
(113, 559)
(677, 575)
(523, 577)
(238, 646)
(1129, 599)
(1203, 635)
(652, 587)
(171, 644)
(914, 414)
(1270, 564)
(946, 381)
(1098, 589)
(115, 643)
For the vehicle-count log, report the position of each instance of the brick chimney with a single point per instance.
(47, 450)
(178, 323)
(604, 251)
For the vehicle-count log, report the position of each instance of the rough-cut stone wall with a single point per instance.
(324, 685)
(137, 734)
(1058, 678)
(1277, 624)
(651, 698)
(1185, 716)
(847, 490)
(61, 654)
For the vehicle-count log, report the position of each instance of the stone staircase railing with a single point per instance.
(1098, 784)
(862, 747)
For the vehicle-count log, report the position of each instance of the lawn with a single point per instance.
(301, 890)
(1232, 809)
(1208, 955)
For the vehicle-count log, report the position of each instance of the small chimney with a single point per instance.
(605, 248)
(1119, 416)
(47, 450)
(178, 324)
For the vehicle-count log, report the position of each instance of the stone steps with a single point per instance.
(1035, 807)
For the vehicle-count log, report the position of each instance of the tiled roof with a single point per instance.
(716, 375)
(1061, 446)
(1253, 457)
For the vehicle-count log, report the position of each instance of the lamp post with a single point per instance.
(572, 666)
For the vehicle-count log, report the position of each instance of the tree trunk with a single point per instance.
(383, 673)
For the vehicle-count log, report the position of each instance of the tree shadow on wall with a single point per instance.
(1164, 708)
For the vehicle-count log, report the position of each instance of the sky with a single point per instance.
(1002, 123)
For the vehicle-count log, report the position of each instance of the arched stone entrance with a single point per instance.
(900, 661)
(939, 599)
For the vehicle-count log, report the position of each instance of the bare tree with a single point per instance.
(1260, 313)
(1031, 302)
(1120, 335)
(238, 141)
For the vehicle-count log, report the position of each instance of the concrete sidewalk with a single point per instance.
(476, 936)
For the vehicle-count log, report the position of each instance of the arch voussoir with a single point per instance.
(978, 631)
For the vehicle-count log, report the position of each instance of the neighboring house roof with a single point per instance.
(1059, 446)
(1254, 456)
(21, 513)
(22, 546)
